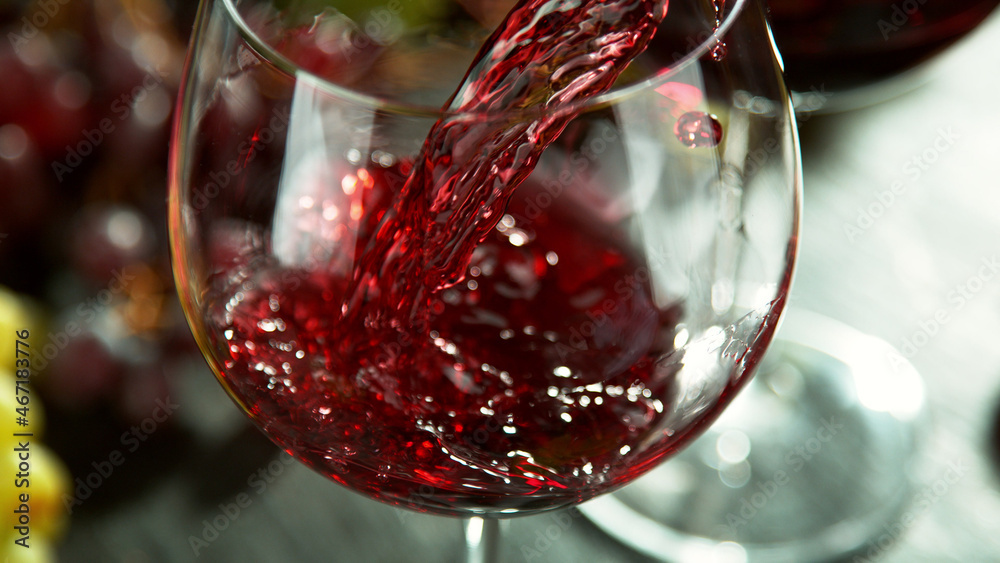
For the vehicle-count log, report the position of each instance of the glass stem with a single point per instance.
(482, 540)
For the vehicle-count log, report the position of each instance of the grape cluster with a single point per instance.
(49, 480)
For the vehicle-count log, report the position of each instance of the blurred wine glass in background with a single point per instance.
(842, 54)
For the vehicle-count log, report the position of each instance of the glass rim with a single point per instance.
(734, 9)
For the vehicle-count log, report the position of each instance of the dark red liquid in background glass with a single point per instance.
(838, 45)
(478, 355)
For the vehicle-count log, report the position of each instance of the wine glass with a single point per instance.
(586, 307)
(844, 54)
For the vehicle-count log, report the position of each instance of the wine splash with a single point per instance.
(541, 382)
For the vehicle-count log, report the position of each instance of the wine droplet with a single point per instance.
(697, 129)
(719, 50)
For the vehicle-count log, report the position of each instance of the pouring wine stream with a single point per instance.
(544, 58)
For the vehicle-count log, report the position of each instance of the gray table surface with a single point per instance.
(890, 280)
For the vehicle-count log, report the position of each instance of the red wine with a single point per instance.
(545, 378)
(836, 45)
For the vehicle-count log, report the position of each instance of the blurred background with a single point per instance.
(137, 455)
